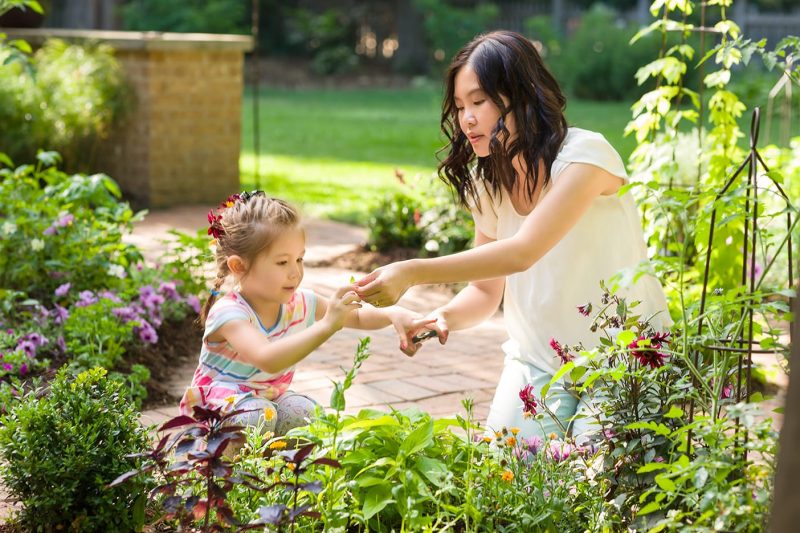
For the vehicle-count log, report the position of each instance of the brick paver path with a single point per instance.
(435, 380)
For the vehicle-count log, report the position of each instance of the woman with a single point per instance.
(549, 224)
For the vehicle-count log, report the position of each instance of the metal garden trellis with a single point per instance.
(743, 345)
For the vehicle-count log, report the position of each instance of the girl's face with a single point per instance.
(477, 113)
(277, 271)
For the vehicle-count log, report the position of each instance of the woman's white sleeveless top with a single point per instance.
(541, 302)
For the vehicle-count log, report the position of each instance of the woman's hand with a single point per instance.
(385, 285)
(407, 324)
(341, 304)
(435, 321)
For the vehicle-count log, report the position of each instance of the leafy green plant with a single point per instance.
(60, 447)
(193, 16)
(65, 97)
(193, 484)
(448, 27)
(433, 223)
(329, 37)
(53, 221)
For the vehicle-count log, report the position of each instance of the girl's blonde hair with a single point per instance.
(248, 223)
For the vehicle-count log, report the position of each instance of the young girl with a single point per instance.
(549, 224)
(256, 334)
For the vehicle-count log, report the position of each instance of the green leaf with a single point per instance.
(649, 508)
(651, 467)
(625, 337)
(674, 412)
(433, 469)
(700, 477)
(371, 422)
(4, 159)
(376, 499)
(419, 439)
(665, 483)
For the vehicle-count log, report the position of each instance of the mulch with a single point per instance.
(178, 345)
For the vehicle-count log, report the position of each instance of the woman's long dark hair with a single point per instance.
(506, 63)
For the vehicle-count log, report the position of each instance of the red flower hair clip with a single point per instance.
(215, 225)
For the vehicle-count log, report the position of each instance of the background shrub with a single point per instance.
(62, 448)
(66, 97)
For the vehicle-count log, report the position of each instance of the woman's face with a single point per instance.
(477, 114)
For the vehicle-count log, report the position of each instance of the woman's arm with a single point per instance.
(472, 305)
(552, 218)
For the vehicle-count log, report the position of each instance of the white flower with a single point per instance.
(9, 228)
(432, 246)
(37, 244)
(116, 271)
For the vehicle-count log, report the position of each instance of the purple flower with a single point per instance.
(7, 367)
(108, 295)
(62, 222)
(194, 303)
(85, 298)
(28, 347)
(62, 290)
(61, 344)
(126, 314)
(533, 444)
(559, 451)
(61, 314)
(36, 338)
(147, 333)
(168, 289)
(65, 220)
(23, 369)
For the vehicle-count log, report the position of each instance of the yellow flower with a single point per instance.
(290, 466)
(498, 435)
(269, 413)
(514, 431)
(278, 445)
(507, 476)
(511, 441)
(552, 436)
(230, 399)
(487, 439)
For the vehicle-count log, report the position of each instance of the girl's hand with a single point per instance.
(385, 285)
(341, 304)
(435, 321)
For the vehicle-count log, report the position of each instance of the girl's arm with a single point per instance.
(404, 321)
(273, 357)
(552, 218)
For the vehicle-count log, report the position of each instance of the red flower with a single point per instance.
(215, 224)
(585, 309)
(645, 349)
(529, 404)
(562, 352)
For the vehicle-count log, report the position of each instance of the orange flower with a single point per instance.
(507, 476)
(277, 445)
(552, 436)
(290, 466)
(511, 441)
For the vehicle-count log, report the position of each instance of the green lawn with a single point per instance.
(335, 152)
